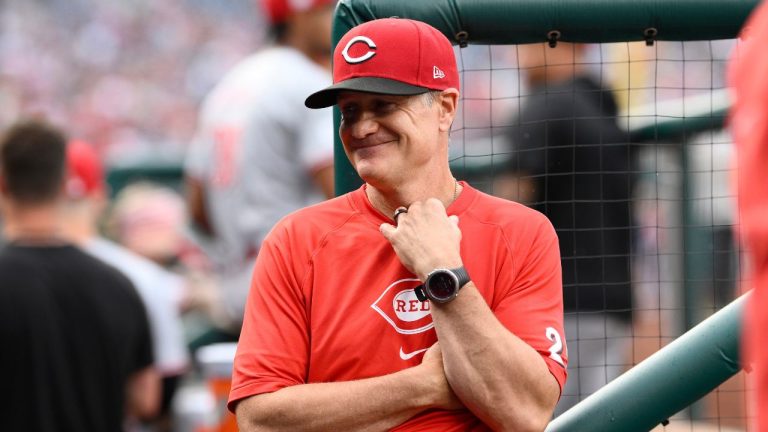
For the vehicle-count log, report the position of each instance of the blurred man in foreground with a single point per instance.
(77, 351)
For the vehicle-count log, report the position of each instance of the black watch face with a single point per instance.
(442, 286)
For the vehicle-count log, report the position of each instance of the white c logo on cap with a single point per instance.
(362, 58)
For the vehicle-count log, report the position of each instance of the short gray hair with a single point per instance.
(430, 97)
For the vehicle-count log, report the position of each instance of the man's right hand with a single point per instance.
(433, 364)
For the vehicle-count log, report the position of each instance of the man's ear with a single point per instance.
(449, 103)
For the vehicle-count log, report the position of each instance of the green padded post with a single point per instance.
(666, 382)
(527, 21)
(345, 177)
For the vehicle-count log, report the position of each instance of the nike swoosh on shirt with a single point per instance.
(410, 355)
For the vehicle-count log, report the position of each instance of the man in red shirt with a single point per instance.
(749, 124)
(415, 302)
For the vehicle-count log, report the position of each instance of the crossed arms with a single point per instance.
(477, 363)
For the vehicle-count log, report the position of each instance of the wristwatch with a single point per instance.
(442, 285)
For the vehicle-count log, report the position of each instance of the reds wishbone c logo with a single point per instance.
(399, 306)
(368, 54)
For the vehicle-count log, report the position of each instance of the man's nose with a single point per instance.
(364, 125)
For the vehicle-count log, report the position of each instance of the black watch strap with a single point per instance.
(421, 293)
(461, 275)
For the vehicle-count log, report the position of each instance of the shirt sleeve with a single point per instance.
(532, 309)
(316, 139)
(272, 352)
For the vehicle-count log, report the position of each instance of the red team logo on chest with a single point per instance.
(399, 306)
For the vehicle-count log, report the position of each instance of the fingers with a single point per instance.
(387, 230)
(430, 206)
(400, 210)
(435, 347)
(433, 353)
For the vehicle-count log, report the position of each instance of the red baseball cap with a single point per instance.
(393, 56)
(85, 172)
(278, 11)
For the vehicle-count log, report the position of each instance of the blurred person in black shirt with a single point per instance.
(571, 161)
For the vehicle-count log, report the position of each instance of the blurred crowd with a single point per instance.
(126, 76)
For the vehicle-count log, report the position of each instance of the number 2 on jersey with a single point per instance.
(557, 346)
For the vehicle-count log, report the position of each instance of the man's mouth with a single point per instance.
(369, 143)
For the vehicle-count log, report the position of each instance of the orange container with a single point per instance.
(216, 362)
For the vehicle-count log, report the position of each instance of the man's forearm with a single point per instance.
(496, 375)
(143, 393)
(373, 404)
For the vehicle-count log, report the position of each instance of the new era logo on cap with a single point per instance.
(390, 56)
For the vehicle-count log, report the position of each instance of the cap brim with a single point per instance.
(327, 96)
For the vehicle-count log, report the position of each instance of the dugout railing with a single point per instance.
(666, 382)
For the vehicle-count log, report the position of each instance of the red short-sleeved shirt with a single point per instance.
(330, 301)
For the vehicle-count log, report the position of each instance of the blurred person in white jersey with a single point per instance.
(259, 153)
(161, 290)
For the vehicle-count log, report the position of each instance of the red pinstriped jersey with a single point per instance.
(330, 301)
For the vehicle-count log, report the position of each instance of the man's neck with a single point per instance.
(79, 222)
(32, 223)
(386, 200)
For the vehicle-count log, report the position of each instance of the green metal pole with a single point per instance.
(345, 176)
(666, 382)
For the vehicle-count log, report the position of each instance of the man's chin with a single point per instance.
(370, 174)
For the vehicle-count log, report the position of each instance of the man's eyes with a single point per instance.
(385, 105)
(378, 107)
(348, 112)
